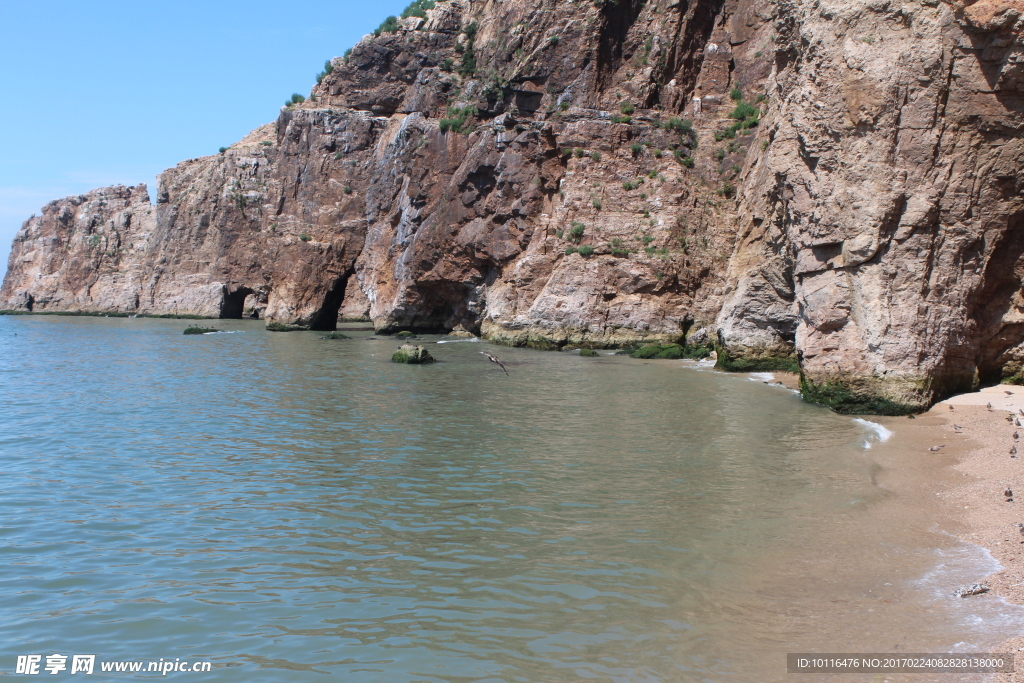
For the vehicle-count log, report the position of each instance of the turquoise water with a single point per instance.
(295, 509)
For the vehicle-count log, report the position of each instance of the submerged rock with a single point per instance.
(195, 329)
(971, 589)
(413, 355)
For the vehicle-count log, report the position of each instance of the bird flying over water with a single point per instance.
(494, 360)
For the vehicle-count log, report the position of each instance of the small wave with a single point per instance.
(962, 564)
(876, 431)
(761, 377)
(456, 341)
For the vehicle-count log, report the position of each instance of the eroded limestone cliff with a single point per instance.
(848, 195)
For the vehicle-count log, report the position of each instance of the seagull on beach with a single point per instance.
(990, 405)
(937, 448)
(1013, 450)
(494, 360)
(957, 428)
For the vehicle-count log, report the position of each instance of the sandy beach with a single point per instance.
(980, 437)
(982, 430)
(981, 451)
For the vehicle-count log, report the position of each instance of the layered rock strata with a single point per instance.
(849, 197)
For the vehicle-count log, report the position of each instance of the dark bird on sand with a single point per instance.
(1008, 493)
(1007, 392)
(494, 360)
(1016, 435)
(951, 410)
(957, 428)
(1013, 450)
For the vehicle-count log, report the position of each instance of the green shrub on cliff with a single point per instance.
(684, 126)
(296, 98)
(417, 8)
(328, 70)
(458, 119)
(389, 25)
(586, 250)
(576, 231)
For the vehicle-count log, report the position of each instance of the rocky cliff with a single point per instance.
(832, 183)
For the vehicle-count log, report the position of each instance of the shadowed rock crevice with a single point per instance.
(998, 313)
(234, 302)
(326, 317)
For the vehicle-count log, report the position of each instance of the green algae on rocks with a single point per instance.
(281, 327)
(413, 355)
(196, 329)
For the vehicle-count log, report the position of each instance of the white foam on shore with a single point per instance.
(761, 377)
(456, 341)
(876, 432)
(983, 618)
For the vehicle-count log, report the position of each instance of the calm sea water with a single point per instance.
(295, 509)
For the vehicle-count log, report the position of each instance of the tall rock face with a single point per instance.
(848, 193)
(882, 230)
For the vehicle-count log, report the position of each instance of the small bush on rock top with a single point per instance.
(417, 8)
(389, 25)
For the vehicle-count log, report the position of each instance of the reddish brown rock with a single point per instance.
(870, 222)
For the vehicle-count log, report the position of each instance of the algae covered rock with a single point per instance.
(413, 355)
(195, 329)
(588, 353)
(282, 327)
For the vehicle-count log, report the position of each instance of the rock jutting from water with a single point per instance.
(834, 185)
(411, 354)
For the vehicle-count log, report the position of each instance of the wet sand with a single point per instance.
(992, 462)
(978, 445)
(973, 445)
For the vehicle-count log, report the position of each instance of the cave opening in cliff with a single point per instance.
(233, 303)
(1003, 278)
(326, 318)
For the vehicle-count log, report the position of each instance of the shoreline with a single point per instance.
(974, 445)
(992, 463)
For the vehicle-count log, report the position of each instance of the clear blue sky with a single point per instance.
(102, 92)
